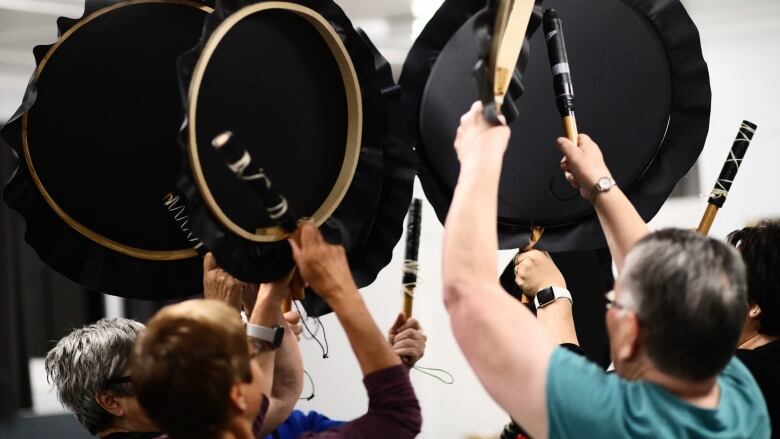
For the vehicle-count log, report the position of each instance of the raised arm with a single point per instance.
(535, 271)
(287, 382)
(393, 410)
(288, 377)
(583, 166)
(324, 267)
(502, 341)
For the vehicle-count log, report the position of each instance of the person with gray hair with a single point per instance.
(88, 367)
(673, 319)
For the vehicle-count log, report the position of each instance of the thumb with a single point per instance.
(398, 322)
(209, 263)
(296, 250)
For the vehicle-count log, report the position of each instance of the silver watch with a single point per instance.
(603, 184)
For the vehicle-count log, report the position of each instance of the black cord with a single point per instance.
(311, 396)
(428, 370)
(325, 348)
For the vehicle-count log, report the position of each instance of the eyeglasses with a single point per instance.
(612, 301)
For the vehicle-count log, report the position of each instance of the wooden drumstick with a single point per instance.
(721, 190)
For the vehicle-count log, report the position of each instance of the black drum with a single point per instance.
(642, 91)
(97, 140)
(314, 103)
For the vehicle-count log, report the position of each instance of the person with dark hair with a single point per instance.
(673, 319)
(199, 373)
(759, 345)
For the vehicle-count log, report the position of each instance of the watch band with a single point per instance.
(603, 184)
(271, 335)
(549, 295)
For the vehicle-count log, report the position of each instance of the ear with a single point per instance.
(630, 332)
(755, 311)
(110, 403)
(238, 397)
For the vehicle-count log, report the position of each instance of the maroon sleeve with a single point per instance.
(393, 410)
(258, 422)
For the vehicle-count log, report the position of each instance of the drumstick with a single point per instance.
(411, 266)
(559, 64)
(246, 169)
(721, 190)
(501, 42)
(564, 93)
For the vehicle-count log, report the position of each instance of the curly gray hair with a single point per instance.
(83, 362)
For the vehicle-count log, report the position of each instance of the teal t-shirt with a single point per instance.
(583, 401)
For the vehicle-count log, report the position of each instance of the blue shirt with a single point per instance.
(298, 423)
(583, 401)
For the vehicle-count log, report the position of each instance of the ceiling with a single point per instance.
(392, 25)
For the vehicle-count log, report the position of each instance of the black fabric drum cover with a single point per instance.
(642, 91)
(96, 136)
(274, 80)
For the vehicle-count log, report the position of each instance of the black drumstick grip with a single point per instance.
(559, 62)
(248, 170)
(734, 160)
(412, 240)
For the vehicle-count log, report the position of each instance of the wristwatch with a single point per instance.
(603, 184)
(265, 337)
(549, 295)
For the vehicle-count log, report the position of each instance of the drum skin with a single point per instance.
(276, 86)
(643, 94)
(97, 140)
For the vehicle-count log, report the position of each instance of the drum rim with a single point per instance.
(354, 118)
(153, 255)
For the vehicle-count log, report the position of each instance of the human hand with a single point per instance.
(408, 339)
(475, 134)
(220, 285)
(293, 318)
(582, 164)
(535, 270)
(323, 266)
(276, 291)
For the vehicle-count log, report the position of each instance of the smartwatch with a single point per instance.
(271, 336)
(549, 295)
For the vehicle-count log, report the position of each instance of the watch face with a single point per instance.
(278, 336)
(605, 183)
(545, 296)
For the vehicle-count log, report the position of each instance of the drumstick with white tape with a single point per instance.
(248, 170)
(721, 190)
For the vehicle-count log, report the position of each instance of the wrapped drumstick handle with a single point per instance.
(410, 259)
(734, 160)
(559, 64)
(241, 163)
(248, 170)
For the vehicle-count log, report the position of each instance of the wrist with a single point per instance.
(345, 300)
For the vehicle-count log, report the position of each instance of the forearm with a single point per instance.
(558, 320)
(372, 350)
(287, 382)
(470, 240)
(267, 312)
(393, 409)
(621, 223)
